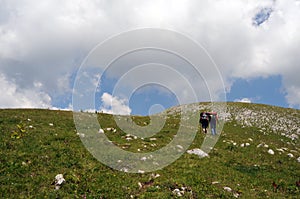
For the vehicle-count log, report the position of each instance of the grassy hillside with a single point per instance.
(36, 145)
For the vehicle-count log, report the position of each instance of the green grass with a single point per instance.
(33, 152)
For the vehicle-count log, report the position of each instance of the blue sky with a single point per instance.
(253, 45)
(259, 90)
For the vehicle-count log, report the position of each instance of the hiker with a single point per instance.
(204, 120)
(213, 122)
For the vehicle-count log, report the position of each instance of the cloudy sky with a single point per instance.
(254, 46)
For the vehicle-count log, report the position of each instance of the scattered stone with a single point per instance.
(80, 134)
(140, 185)
(290, 155)
(51, 124)
(141, 171)
(177, 192)
(144, 158)
(245, 144)
(259, 145)
(101, 131)
(153, 139)
(236, 195)
(270, 151)
(155, 175)
(227, 189)
(262, 145)
(280, 150)
(198, 152)
(298, 159)
(124, 169)
(155, 163)
(59, 180)
(215, 182)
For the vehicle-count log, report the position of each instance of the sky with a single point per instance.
(225, 50)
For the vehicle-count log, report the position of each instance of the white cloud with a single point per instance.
(114, 105)
(47, 45)
(13, 97)
(244, 100)
(293, 96)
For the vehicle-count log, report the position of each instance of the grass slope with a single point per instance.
(36, 145)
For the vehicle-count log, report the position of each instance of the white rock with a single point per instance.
(155, 175)
(81, 135)
(298, 159)
(140, 185)
(177, 192)
(141, 171)
(101, 131)
(179, 146)
(124, 170)
(242, 145)
(198, 152)
(290, 155)
(50, 124)
(259, 145)
(153, 139)
(59, 180)
(270, 151)
(144, 158)
(280, 150)
(227, 189)
(236, 195)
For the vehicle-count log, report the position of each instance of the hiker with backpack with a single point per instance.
(204, 121)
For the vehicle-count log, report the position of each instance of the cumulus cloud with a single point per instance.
(293, 96)
(114, 105)
(40, 51)
(243, 100)
(13, 97)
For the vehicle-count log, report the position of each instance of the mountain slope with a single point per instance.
(256, 156)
